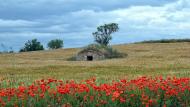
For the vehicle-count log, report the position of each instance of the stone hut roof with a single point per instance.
(90, 55)
(91, 51)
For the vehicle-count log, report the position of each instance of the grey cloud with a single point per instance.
(74, 20)
(35, 9)
(17, 23)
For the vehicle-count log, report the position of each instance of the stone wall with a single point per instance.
(95, 55)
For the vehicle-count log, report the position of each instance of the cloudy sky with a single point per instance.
(75, 20)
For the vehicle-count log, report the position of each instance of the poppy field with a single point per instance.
(47, 79)
(140, 92)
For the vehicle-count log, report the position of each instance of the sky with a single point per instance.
(75, 20)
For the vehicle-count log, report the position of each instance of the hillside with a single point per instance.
(151, 59)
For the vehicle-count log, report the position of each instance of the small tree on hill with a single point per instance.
(32, 45)
(55, 44)
(103, 34)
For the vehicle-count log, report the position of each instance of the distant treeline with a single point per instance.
(165, 41)
(34, 45)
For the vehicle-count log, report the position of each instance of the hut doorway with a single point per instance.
(89, 58)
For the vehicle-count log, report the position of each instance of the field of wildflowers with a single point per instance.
(140, 92)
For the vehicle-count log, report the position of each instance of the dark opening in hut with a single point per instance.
(90, 55)
(89, 58)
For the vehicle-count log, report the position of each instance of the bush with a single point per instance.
(95, 47)
(166, 41)
(32, 45)
(113, 53)
(55, 44)
(73, 58)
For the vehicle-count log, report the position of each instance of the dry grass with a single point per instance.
(167, 59)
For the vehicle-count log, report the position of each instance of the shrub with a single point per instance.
(96, 47)
(32, 45)
(166, 41)
(73, 58)
(113, 53)
(55, 44)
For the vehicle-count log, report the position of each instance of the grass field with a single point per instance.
(167, 59)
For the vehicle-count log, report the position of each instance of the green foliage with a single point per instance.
(95, 47)
(113, 53)
(103, 34)
(166, 41)
(141, 92)
(73, 58)
(55, 44)
(32, 45)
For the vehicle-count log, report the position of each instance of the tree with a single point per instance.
(55, 44)
(103, 34)
(32, 45)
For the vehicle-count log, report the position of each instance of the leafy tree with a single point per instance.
(103, 34)
(55, 44)
(32, 45)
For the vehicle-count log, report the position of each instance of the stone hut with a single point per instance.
(90, 55)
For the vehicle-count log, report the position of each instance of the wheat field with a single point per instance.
(153, 59)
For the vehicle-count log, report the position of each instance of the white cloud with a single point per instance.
(143, 17)
(137, 22)
(160, 18)
(17, 23)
